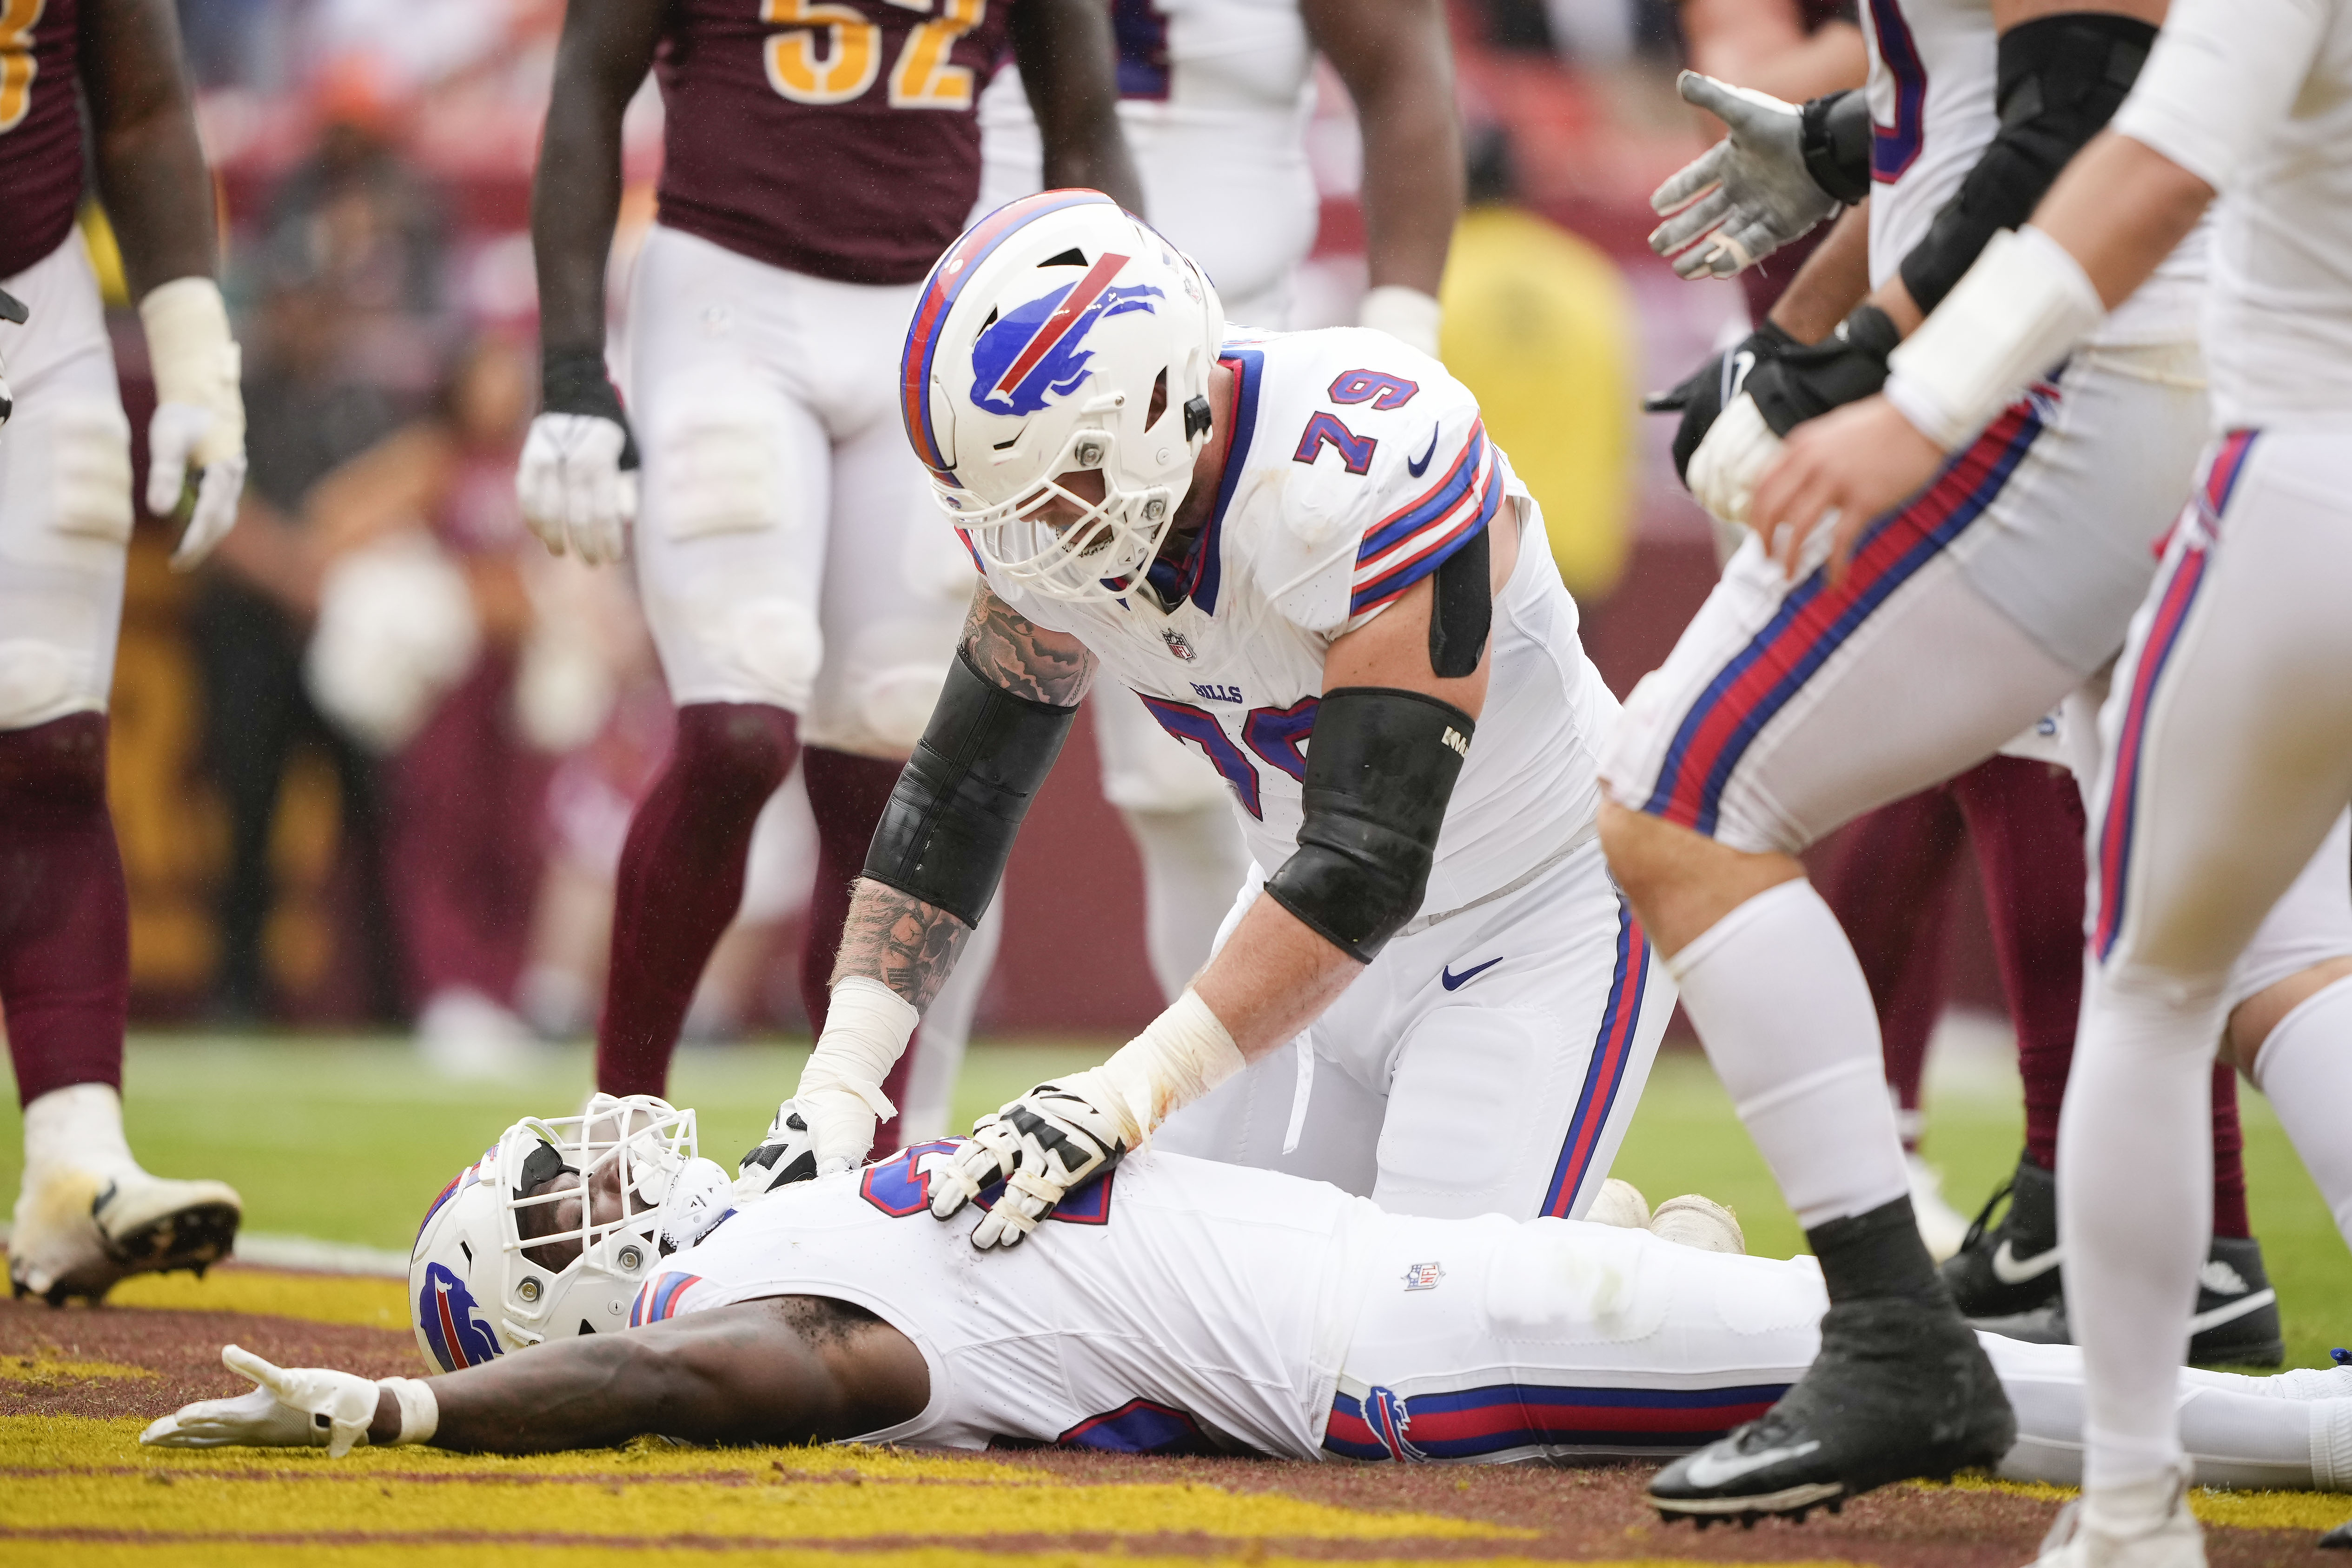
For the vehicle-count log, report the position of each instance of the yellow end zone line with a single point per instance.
(238, 1555)
(2240, 1511)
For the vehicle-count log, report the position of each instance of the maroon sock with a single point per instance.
(2026, 818)
(2228, 1162)
(682, 880)
(1889, 890)
(65, 917)
(847, 795)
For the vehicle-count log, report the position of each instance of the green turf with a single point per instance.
(348, 1139)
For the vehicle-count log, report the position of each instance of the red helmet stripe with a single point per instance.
(1064, 316)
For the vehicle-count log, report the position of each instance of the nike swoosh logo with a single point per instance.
(1734, 375)
(2219, 1315)
(1417, 469)
(1707, 1470)
(1452, 981)
(2008, 1270)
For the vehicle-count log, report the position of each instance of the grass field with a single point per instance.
(346, 1142)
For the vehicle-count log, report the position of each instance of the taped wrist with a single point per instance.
(2020, 310)
(1379, 771)
(420, 1412)
(1806, 383)
(573, 380)
(867, 1028)
(1833, 134)
(2061, 79)
(1181, 1056)
(948, 828)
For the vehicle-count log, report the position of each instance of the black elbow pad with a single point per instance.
(2061, 79)
(1833, 134)
(948, 828)
(1380, 767)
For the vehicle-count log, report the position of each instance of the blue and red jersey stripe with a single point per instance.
(2176, 599)
(1420, 536)
(939, 293)
(659, 1300)
(1816, 619)
(1475, 1423)
(1604, 1075)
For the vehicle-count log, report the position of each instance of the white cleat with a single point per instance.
(2080, 1540)
(1620, 1204)
(1692, 1220)
(76, 1232)
(1943, 1228)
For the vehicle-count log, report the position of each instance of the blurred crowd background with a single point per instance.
(373, 764)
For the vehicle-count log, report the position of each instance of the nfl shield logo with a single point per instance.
(1177, 646)
(1422, 1277)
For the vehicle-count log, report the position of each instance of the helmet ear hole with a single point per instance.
(1159, 400)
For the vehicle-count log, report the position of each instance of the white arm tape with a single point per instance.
(420, 1412)
(195, 358)
(2020, 308)
(2223, 76)
(866, 1031)
(1405, 314)
(1181, 1056)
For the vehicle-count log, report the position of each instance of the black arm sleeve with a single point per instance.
(1380, 767)
(2062, 78)
(948, 828)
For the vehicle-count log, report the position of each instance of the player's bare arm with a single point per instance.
(577, 480)
(1398, 66)
(1024, 658)
(1068, 64)
(157, 194)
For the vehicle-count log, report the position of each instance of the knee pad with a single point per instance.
(89, 451)
(773, 645)
(39, 681)
(721, 463)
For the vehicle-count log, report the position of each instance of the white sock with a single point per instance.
(2135, 1208)
(76, 1128)
(1785, 1014)
(2132, 1508)
(2305, 1069)
(1194, 863)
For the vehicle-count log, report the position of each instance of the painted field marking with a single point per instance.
(47, 1367)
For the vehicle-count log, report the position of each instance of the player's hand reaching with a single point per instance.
(578, 480)
(1840, 472)
(199, 419)
(289, 1407)
(1747, 196)
(1043, 1146)
(1701, 396)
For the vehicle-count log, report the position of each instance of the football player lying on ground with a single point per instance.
(1265, 537)
(1172, 1306)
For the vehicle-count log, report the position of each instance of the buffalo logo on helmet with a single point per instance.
(452, 1321)
(1036, 352)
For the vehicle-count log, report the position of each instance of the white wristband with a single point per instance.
(2020, 308)
(1405, 314)
(420, 1412)
(195, 360)
(866, 1031)
(1181, 1056)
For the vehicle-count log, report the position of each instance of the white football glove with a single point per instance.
(700, 1196)
(1041, 1146)
(292, 1408)
(576, 493)
(1739, 447)
(1747, 196)
(10, 309)
(199, 412)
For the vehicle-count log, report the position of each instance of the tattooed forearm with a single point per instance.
(896, 938)
(1023, 656)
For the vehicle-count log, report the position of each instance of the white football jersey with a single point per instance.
(1174, 1306)
(1214, 98)
(1933, 75)
(2256, 98)
(1357, 467)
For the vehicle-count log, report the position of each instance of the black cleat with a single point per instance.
(2338, 1539)
(2003, 1269)
(1901, 1390)
(2237, 1320)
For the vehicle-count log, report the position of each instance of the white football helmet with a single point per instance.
(1062, 333)
(509, 1255)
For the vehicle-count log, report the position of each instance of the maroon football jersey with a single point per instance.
(834, 137)
(40, 130)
